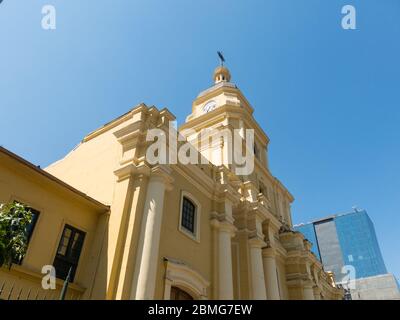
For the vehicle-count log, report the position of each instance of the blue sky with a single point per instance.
(328, 98)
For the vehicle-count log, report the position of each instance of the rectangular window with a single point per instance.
(188, 215)
(29, 229)
(31, 226)
(68, 252)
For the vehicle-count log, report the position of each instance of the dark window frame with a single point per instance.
(64, 261)
(189, 215)
(31, 228)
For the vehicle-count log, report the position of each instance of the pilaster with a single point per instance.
(143, 284)
(225, 230)
(270, 273)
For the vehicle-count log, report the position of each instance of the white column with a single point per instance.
(257, 271)
(225, 287)
(317, 293)
(308, 292)
(270, 274)
(150, 239)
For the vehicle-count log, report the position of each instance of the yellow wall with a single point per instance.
(58, 206)
(97, 159)
(109, 165)
(175, 244)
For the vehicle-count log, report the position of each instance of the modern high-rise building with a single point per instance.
(347, 245)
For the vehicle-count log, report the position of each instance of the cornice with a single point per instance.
(112, 124)
(197, 178)
(223, 222)
(130, 169)
(222, 112)
(221, 88)
(162, 173)
(144, 170)
(255, 241)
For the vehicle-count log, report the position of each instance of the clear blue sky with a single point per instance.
(328, 98)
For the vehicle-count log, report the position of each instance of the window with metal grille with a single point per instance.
(68, 252)
(188, 215)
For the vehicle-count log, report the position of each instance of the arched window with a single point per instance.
(189, 221)
(188, 215)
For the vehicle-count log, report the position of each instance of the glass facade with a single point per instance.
(346, 240)
(359, 244)
(309, 233)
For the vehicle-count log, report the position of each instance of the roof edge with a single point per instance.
(49, 176)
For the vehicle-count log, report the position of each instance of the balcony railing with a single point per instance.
(19, 283)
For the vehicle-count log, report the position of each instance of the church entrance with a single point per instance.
(179, 294)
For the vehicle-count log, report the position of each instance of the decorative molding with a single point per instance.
(179, 274)
(196, 235)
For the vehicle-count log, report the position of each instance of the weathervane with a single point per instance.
(221, 57)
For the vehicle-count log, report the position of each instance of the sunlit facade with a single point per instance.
(165, 231)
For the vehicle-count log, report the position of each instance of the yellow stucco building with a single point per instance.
(163, 231)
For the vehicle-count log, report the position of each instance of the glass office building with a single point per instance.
(346, 243)
(309, 232)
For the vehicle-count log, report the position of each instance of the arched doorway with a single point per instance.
(179, 294)
(179, 277)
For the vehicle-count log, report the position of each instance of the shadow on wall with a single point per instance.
(99, 288)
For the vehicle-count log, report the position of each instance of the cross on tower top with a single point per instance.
(221, 57)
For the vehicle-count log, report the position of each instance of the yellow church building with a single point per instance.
(130, 229)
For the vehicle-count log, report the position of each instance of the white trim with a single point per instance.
(179, 274)
(196, 235)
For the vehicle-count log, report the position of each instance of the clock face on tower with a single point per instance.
(209, 106)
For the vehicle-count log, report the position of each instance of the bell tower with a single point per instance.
(223, 107)
(221, 74)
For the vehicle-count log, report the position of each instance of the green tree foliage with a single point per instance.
(14, 220)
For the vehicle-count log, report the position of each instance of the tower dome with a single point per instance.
(222, 74)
